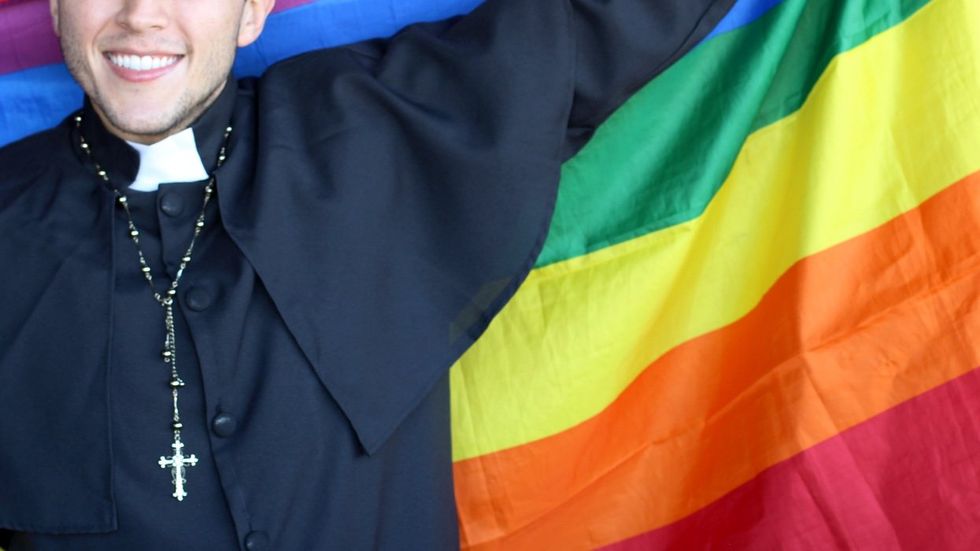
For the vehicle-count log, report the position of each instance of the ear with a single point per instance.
(53, 4)
(253, 20)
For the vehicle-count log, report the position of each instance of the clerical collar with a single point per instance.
(122, 160)
(173, 159)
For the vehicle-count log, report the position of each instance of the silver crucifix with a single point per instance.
(176, 464)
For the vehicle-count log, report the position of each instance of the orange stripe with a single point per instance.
(843, 335)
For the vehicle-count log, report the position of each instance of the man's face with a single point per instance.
(151, 67)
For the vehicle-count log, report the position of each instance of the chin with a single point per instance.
(136, 122)
(145, 127)
(152, 115)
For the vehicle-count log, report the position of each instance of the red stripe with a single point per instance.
(908, 478)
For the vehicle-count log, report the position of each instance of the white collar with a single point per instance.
(173, 159)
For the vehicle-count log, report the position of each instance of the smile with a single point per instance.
(142, 63)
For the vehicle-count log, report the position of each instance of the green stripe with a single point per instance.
(691, 121)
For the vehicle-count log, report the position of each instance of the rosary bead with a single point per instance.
(177, 463)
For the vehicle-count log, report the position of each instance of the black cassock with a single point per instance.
(379, 205)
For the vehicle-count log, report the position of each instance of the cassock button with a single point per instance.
(171, 204)
(224, 425)
(257, 541)
(197, 299)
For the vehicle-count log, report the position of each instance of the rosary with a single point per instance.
(178, 462)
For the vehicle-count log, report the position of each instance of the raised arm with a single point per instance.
(622, 44)
(440, 151)
(528, 59)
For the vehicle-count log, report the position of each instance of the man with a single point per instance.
(230, 307)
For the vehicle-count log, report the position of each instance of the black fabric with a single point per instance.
(379, 205)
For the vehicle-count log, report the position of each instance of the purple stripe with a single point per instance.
(26, 37)
(289, 4)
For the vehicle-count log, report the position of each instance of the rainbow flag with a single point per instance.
(755, 323)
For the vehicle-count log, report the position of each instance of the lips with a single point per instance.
(138, 68)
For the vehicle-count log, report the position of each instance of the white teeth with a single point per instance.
(142, 63)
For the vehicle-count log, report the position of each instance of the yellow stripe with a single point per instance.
(888, 125)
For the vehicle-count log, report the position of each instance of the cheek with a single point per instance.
(217, 47)
(78, 36)
(73, 46)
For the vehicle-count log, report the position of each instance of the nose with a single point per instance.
(143, 15)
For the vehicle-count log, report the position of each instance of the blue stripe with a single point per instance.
(743, 13)
(35, 99)
(329, 23)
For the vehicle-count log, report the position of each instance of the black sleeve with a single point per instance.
(437, 155)
(622, 44)
(524, 61)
